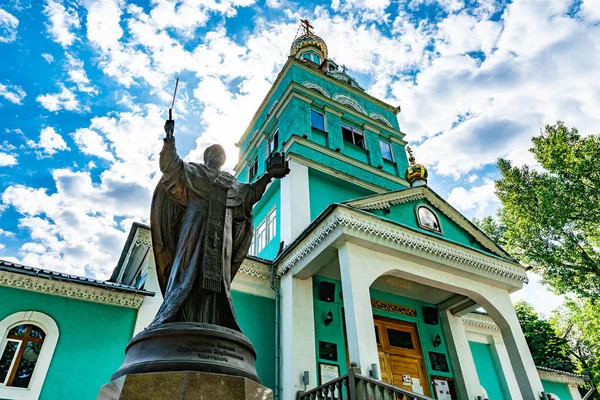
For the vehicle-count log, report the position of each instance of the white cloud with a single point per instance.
(6, 233)
(63, 100)
(13, 93)
(538, 295)
(472, 178)
(48, 57)
(50, 142)
(73, 226)
(8, 27)
(90, 142)
(477, 200)
(62, 21)
(7, 160)
(77, 75)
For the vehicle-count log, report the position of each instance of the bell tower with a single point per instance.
(340, 142)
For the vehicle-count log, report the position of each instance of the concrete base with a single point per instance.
(184, 385)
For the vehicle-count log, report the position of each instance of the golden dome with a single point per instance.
(308, 39)
(415, 171)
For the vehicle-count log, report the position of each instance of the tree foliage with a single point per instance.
(578, 321)
(547, 348)
(550, 216)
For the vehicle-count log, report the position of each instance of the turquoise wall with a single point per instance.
(486, 370)
(334, 333)
(325, 189)
(406, 215)
(256, 316)
(91, 344)
(559, 389)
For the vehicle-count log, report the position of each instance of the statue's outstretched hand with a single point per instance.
(170, 128)
(279, 172)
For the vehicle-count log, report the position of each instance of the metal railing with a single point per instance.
(354, 386)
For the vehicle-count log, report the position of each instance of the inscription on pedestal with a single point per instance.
(211, 351)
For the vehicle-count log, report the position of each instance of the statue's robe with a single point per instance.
(201, 220)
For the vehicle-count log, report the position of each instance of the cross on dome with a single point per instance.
(307, 26)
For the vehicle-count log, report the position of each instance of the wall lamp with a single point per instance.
(328, 318)
(437, 340)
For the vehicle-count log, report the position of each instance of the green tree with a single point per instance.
(578, 321)
(550, 216)
(547, 348)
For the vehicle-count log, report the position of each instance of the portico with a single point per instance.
(350, 244)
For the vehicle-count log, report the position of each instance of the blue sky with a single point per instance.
(85, 86)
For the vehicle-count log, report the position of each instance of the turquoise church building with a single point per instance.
(356, 264)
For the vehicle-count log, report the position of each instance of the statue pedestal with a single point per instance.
(185, 385)
(188, 346)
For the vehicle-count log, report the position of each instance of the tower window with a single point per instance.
(253, 170)
(317, 120)
(20, 354)
(352, 135)
(264, 233)
(273, 141)
(386, 150)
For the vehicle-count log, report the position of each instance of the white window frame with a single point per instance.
(12, 363)
(271, 225)
(354, 130)
(47, 324)
(261, 242)
(391, 151)
(271, 140)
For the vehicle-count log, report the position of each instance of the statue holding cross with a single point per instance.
(201, 220)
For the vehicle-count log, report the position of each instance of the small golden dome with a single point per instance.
(415, 171)
(308, 39)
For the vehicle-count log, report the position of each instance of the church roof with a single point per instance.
(59, 276)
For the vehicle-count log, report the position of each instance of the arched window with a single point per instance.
(27, 343)
(428, 220)
(21, 351)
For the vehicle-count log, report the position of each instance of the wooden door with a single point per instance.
(400, 355)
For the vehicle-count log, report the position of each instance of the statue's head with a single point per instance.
(214, 156)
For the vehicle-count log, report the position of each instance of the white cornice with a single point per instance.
(407, 195)
(403, 239)
(561, 377)
(71, 290)
(480, 321)
(254, 268)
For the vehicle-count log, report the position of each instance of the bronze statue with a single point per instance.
(201, 219)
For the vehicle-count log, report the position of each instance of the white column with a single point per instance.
(509, 383)
(461, 356)
(298, 351)
(295, 202)
(504, 315)
(360, 329)
(574, 392)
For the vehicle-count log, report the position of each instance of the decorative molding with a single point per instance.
(72, 290)
(143, 238)
(381, 118)
(350, 102)
(551, 375)
(402, 237)
(272, 107)
(403, 196)
(395, 308)
(312, 85)
(480, 321)
(256, 269)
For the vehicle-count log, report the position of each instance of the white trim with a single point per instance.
(312, 85)
(417, 193)
(43, 363)
(402, 238)
(72, 290)
(381, 118)
(480, 321)
(561, 377)
(12, 362)
(350, 102)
